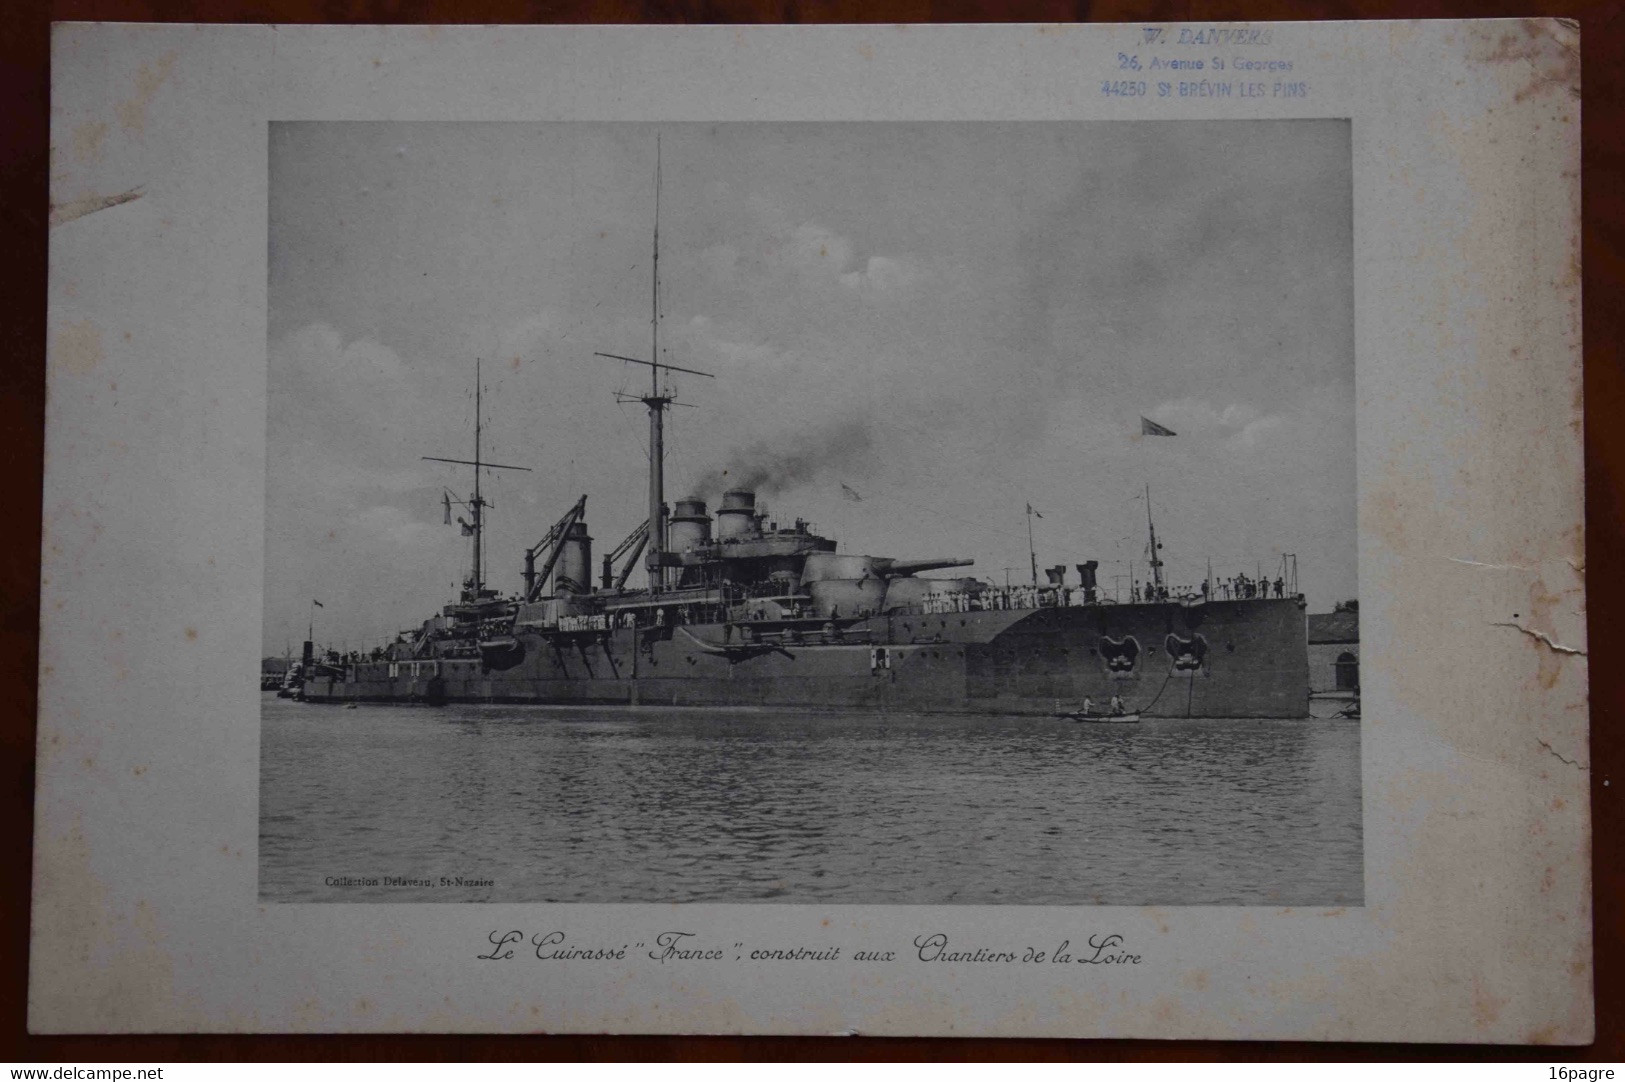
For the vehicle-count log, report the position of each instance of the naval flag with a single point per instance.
(851, 493)
(318, 604)
(1149, 427)
(1033, 513)
(445, 498)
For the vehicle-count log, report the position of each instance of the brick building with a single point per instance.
(1334, 652)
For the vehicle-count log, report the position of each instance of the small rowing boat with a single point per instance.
(1089, 717)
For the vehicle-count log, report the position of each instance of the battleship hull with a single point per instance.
(1220, 659)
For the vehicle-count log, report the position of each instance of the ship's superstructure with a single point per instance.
(738, 608)
(760, 613)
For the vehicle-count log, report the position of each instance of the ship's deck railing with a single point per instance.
(1013, 598)
(1050, 597)
(1242, 588)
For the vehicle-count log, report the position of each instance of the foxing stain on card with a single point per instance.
(62, 213)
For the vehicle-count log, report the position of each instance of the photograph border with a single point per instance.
(1365, 580)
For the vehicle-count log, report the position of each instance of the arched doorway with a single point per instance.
(1348, 672)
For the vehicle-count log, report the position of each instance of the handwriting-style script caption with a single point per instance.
(674, 947)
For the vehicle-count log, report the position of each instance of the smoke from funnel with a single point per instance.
(773, 465)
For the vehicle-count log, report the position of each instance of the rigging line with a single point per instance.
(632, 434)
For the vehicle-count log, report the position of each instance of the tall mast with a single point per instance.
(476, 506)
(657, 404)
(1156, 556)
(654, 304)
(657, 401)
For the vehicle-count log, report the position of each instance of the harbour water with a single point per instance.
(531, 804)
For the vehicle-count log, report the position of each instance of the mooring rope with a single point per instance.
(1160, 690)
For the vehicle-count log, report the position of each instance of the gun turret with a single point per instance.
(825, 566)
(890, 567)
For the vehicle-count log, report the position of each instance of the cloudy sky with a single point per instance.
(953, 320)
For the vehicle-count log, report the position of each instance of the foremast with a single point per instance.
(474, 588)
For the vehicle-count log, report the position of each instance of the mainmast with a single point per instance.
(476, 505)
(1156, 554)
(657, 402)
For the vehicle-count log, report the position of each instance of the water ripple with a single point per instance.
(684, 805)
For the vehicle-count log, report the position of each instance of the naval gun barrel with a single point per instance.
(893, 567)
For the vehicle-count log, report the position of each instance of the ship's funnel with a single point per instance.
(1056, 575)
(689, 526)
(573, 575)
(1086, 579)
(737, 516)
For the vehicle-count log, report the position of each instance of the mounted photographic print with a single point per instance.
(1022, 530)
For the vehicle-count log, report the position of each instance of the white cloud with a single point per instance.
(1195, 417)
(880, 274)
(1254, 431)
(718, 263)
(1055, 314)
(395, 528)
(812, 245)
(748, 353)
(354, 514)
(520, 338)
(815, 252)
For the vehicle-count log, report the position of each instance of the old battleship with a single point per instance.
(739, 610)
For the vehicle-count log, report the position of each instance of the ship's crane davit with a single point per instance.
(552, 547)
(629, 549)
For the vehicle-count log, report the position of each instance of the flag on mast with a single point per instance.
(1149, 427)
(1033, 513)
(445, 498)
(318, 604)
(851, 493)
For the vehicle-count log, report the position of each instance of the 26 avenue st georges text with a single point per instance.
(1203, 62)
